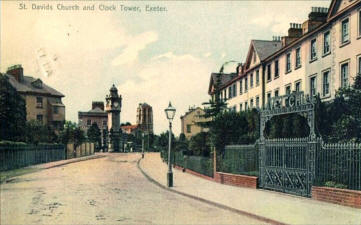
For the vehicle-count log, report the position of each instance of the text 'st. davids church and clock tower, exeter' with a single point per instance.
(113, 108)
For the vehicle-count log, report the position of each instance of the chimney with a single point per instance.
(98, 105)
(16, 71)
(316, 17)
(239, 69)
(295, 30)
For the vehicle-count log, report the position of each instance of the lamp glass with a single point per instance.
(170, 112)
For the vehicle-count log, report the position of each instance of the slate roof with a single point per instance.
(94, 112)
(266, 48)
(225, 78)
(26, 87)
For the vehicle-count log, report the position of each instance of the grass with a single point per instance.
(5, 175)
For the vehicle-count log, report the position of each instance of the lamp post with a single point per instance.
(170, 112)
(142, 144)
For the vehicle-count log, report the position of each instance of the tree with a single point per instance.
(72, 134)
(94, 134)
(12, 112)
(199, 144)
(36, 132)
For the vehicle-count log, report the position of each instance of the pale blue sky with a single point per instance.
(151, 57)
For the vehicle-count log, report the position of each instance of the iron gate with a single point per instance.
(288, 165)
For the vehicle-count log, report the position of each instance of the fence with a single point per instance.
(13, 156)
(199, 164)
(339, 165)
(240, 159)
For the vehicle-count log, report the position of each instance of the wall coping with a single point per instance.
(238, 175)
(337, 189)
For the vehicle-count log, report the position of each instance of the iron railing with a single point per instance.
(13, 156)
(339, 165)
(240, 159)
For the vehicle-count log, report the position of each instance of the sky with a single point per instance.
(152, 57)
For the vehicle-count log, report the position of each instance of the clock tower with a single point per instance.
(113, 108)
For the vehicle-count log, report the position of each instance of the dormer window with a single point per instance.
(37, 84)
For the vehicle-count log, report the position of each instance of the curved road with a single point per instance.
(108, 190)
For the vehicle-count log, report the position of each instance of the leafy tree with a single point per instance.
(36, 132)
(94, 134)
(12, 112)
(72, 134)
(199, 144)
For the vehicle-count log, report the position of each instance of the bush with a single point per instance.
(335, 185)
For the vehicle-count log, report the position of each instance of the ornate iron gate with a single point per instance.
(288, 165)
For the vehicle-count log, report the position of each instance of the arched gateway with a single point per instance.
(288, 165)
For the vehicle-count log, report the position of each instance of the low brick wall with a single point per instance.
(227, 178)
(194, 173)
(236, 180)
(338, 196)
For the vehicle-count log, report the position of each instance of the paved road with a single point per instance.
(109, 190)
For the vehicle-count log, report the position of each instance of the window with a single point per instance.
(257, 78)
(251, 81)
(189, 128)
(313, 50)
(88, 122)
(344, 75)
(257, 101)
(240, 86)
(326, 83)
(39, 117)
(276, 69)
(277, 92)
(234, 109)
(39, 102)
(345, 37)
(288, 89)
(298, 86)
(245, 105)
(251, 104)
(240, 107)
(246, 84)
(225, 94)
(288, 62)
(298, 57)
(313, 86)
(359, 64)
(268, 97)
(234, 90)
(254, 57)
(269, 73)
(56, 109)
(230, 92)
(326, 42)
(359, 23)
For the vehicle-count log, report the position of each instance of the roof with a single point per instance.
(97, 112)
(224, 78)
(190, 111)
(266, 48)
(129, 127)
(26, 86)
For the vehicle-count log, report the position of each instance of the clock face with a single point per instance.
(116, 104)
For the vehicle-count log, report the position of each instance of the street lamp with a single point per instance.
(170, 112)
(142, 144)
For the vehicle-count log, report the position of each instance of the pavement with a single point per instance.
(67, 161)
(268, 206)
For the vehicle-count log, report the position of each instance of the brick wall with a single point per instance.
(338, 196)
(227, 178)
(236, 180)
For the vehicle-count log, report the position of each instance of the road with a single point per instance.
(108, 190)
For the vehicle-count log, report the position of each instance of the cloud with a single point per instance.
(134, 46)
(181, 79)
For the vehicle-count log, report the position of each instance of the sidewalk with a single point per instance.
(7, 175)
(66, 161)
(275, 206)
